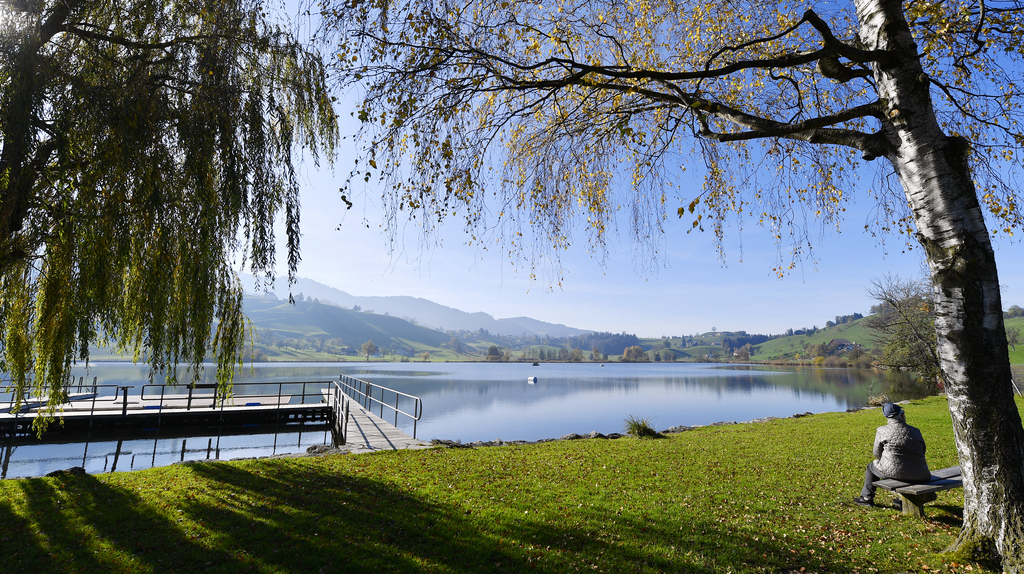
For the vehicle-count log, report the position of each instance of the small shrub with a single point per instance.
(878, 400)
(640, 427)
(835, 362)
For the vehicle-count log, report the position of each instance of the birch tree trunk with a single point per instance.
(972, 346)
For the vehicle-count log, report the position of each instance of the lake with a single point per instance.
(487, 401)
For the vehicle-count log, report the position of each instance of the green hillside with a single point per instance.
(307, 329)
(314, 331)
(786, 347)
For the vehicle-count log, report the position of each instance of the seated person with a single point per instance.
(899, 453)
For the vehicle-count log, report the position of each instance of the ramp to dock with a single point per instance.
(368, 432)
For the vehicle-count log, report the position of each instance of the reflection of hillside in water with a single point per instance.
(851, 386)
(483, 400)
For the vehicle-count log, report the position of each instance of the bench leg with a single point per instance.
(913, 504)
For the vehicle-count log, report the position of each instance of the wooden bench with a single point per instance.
(914, 496)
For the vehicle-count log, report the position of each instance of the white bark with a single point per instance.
(972, 346)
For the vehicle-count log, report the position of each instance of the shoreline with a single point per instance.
(325, 450)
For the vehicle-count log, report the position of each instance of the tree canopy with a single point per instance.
(368, 349)
(570, 111)
(147, 147)
(528, 118)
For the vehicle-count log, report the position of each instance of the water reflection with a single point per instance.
(108, 453)
(487, 401)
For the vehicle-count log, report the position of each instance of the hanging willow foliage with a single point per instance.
(146, 145)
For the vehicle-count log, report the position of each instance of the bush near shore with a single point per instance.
(764, 497)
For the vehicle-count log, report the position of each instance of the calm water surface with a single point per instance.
(486, 401)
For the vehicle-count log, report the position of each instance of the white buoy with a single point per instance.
(531, 380)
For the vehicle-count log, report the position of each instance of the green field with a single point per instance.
(1017, 356)
(771, 497)
(786, 347)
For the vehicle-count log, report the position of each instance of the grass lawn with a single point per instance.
(771, 497)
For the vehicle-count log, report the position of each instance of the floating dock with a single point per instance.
(342, 406)
(197, 410)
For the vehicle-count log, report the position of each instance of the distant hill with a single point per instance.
(783, 347)
(277, 319)
(424, 312)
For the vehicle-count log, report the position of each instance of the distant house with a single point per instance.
(841, 345)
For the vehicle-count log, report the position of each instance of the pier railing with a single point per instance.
(255, 394)
(277, 400)
(376, 397)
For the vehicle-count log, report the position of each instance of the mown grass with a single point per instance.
(770, 497)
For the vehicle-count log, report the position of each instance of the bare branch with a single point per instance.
(135, 45)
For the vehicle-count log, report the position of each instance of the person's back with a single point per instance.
(899, 452)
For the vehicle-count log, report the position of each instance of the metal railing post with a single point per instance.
(277, 417)
(124, 407)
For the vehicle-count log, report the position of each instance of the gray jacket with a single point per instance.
(899, 450)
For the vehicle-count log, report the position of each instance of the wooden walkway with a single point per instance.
(369, 433)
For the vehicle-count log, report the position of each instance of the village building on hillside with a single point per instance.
(841, 345)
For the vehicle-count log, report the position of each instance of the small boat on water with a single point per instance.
(536, 364)
(531, 380)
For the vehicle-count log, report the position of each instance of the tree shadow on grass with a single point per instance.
(82, 524)
(18, 542)
(312, 518)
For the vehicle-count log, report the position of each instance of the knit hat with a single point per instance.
(891, 411)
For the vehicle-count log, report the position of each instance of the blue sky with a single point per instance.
(690, 290)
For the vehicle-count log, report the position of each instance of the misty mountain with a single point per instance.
(424, 312)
